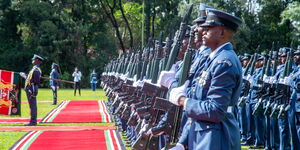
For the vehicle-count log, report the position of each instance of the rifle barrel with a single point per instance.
(65, 81)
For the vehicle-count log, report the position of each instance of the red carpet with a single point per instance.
(16, 120)
(70, 140)
(78, 112)
(55, 128)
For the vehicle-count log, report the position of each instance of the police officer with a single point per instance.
(293, 82)
(93, 79)
(257, 123)
(212, 122)
(31, 87)
(54, 84)
(242, 110)
(295, 106)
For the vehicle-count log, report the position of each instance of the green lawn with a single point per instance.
(8, 138)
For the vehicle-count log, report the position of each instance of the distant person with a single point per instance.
(31, 87)
(77, 78)
(54, 84)
(94, 80)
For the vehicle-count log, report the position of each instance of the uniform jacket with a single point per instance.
(93, 78)
(34, 78)
(211, 125)
(257, 74)
(54, 75)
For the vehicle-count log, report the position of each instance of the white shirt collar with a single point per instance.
(212, 54)
(202, 48)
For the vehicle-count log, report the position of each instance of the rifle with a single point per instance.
(47, 78)
(158, 57)
(59, 80)
(265, 88)
(174, 113)
(282, 91)
(286, 90)
(272, 87)
(179, 38)
(246, 84)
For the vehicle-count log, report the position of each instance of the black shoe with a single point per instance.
(30, 124)
(247, 143)
(54, 104)
(256, 147)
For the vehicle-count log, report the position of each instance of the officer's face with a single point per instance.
(245, 62)
(198, 34)
(259, 63)
(283, 59)
(297, 59)
(212, 36)
(183, 48)
(36, 62)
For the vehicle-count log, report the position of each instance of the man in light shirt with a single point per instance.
(77, 78)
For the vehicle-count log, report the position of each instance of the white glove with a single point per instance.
(147, 80)
(266, 79)
(288, 81)
(123, 77)
(143, 129)
(167, 75)
(176, 93)
(272, 80)
(138, 83)
(117, 74)
(250, 79)
(166, 78)
(177, 147)
(282, 81)
(23, 75)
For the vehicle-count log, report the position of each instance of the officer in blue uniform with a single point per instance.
(242, 110)
(283, 123)
(93, 79)
(31, 87)
(54, 84)
(257, 123)
(198, 58)
(212, 123)
(294, 112)
(296, 100)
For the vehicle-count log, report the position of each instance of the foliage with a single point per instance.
(83, 34)
(292, 13)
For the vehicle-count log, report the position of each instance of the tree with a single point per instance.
(292, 14)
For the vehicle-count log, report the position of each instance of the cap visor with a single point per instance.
(199, 20)
(206, 25)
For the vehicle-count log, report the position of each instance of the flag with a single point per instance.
(10, 93)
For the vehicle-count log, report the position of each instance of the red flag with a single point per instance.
(9, 93)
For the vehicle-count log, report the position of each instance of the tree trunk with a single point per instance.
(147, 18)
(113, 20)
(127, 23)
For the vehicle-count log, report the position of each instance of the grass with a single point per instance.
(8, 138)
